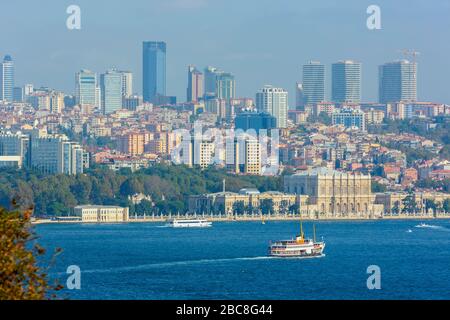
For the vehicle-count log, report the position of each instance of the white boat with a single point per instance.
(298, 247)
(189, 223)
(424, 225)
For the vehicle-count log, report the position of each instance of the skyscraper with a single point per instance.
(346, 81)
(275, 102)
(111, 91)
(299, 96)
(210, 80)
(127, 83)
(225, 86)
(154, 70)
(397, 81)
(7, 79)
(314, 82)
(195, 85)
(85, 88)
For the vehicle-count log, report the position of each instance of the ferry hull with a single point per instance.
(297, 250)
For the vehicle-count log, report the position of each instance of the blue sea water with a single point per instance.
(229, 261)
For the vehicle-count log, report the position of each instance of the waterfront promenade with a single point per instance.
(264, 218)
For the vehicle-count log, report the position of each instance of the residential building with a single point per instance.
(275, 102)
(350, 118)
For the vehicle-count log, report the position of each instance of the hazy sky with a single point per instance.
(260, 41)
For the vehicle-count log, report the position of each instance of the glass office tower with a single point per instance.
(154, 70)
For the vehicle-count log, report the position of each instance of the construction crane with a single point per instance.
(410, 53)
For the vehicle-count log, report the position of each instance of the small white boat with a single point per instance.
(409, 230)
(424, 225)
(189, 223)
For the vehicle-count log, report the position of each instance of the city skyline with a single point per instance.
(252, 64)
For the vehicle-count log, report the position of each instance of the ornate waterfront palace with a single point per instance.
(318, 192)
(333, 193)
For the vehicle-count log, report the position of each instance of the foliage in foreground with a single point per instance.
(20, 276)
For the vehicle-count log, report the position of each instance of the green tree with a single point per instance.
(266, 206)
(409, 204)
(21, 278)
(446, 205)
(238, 207)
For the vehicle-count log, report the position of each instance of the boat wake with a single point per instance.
(169, 264)
(430, 226)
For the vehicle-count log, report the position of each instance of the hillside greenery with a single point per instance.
(169, 187)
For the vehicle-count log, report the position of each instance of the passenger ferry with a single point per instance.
(189, 223)
(298, 247)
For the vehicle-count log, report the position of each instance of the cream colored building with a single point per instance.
(224, 201)
(252, 157)
(335, 194)
(101, 214)
(393, 201)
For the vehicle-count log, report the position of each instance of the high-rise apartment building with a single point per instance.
(275, 102)
(253, 159)
(7, 79)
(132, 144)
(313, 82)
(195, 85)
(111, 91)
(346, 82)
(398, 82)
(154, 70)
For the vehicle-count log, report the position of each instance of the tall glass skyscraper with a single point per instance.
(111, 91)
(210, 75)
(7, 79)
(154, 70)
(313, 82)
(346, 81)
(85, 87)
(397, 81)
(275, 102)
(225, 86)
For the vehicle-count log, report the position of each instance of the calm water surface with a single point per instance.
(228, 261)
